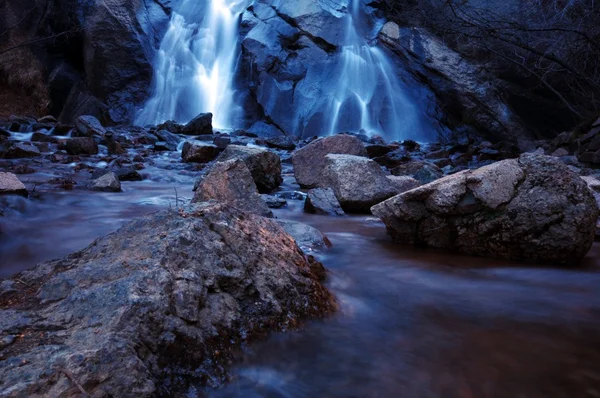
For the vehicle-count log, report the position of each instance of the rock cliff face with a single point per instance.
(92, 57)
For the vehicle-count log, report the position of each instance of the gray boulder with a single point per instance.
(358, 182)
(200, 125)
(532, 208)
(109, 182)
(231, 182)
(10, 184)
(307, 237)
(164, 302)
(199, 152)
(88, 126)
(423, 172)
(264, 165)
(310, 160)
(323, 201)
(22, 150)
(170, 140)
(82, 146)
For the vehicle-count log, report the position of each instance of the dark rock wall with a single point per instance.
(94, 57)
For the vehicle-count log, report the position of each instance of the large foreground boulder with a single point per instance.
(358, 182)
(264, 165)
(310, 160)
(532, 208)
(231, 182)
(163, 301)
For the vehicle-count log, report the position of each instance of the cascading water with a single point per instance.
(195, 64)
(369, 95)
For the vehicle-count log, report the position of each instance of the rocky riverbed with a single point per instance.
(408, 319)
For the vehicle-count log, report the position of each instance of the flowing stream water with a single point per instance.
(412, 323)
(195, 65)
(368, 95)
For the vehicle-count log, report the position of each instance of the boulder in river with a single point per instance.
(231, 182)
(358, 182)
(10, 184)
(306, 236)
(82, 146)
(532, 208)
(22, 150)
(323, 201)
(199, 152)
(200, 125)
(109, 182)
(170, 140)
(165, 300)
(310, 160)
(264, 165)
(88, 126)
(424, 172)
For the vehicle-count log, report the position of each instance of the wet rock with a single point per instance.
(376, 150)
(358, 182)
(310, 160)
(107, 183)
(394, 158)
(113, 146)
(200, 125)
(323, 201)
(307, 237)
(274, 202)
(222, 141)
(82, 146)
(10, 184)
(199, 152)
(38, 136)
(264, 165)
(170, 140)
(22, 150)
(171, 126)
(184, 288)
(127, 174)
(231, 182)
(402, 184)
(161, 146)
(88, 126)
(532, 208)
(423, 172)
(4, 133)
(281, 142)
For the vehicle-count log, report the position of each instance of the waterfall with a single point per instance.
(195, 64)
(369, 95)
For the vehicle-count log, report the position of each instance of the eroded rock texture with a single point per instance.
(164, 299)
(531, 208)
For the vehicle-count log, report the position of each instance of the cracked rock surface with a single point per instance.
(166, 298)
(532, 208)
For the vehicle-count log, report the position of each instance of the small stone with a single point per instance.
(274, 202)
(107, 183)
